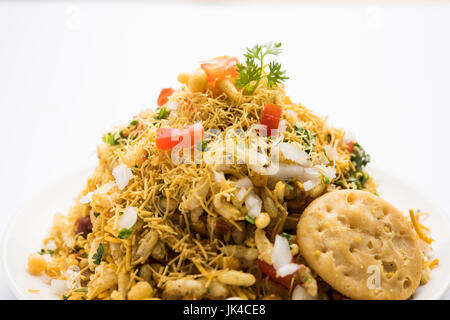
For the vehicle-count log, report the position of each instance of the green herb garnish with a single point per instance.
(202, 145)
(162, 114)
(134, 122)
(290, 187)
(325, 179)
(309, 139)
(357, 178)
(288, 237)
(359, 157)
(251, 73)
(125, 233)
(97, 257)
(81, 290)
(44, 251)
(340, 183)
(110, 139)
(249, 219)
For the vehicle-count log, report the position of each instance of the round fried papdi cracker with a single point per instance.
(349, 236)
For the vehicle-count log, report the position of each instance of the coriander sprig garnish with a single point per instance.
(251, 73)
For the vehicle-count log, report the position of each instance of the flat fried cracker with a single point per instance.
(350, 236)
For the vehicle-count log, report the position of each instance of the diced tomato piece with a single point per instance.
(192, 134)
(351, 146)
(164, 96)
(220, 67)
(271, 116)
(270, 271)
(168, 138)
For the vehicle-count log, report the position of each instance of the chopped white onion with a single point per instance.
(293, 153)
(86, 198)
(128, 218)
(244, 182)
(331, 153)
(287, 269)
(308, 185)
(103, 189)
(282, 127)
(253, 203)
(300, 293)
(323, 160)
(312, 174)
(288, 171)
(72, 274)
(51, 245)
(123, 175)
(219, 176)
(328, 172)
(281, 253)
(59, 287)
(349, 137)
(241, 194)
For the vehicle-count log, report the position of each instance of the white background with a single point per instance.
(70, 71)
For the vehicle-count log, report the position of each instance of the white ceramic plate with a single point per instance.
(30, 226)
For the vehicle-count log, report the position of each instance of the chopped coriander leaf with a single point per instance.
(84, 255)
(123, 135)
(81, 290)
(125, 233)
(251, 73)
(162, 114)
(287, 236)
(325, 179)
(134, 122)
(96, 214)
(276, 75)
(97, 257)
(65, 297)
(249, 219)
(340, 183)
(309, 139)
(202, 145)
(44, 251)
(359, 157)
(289, 186)
(109, 139)
(319, 296)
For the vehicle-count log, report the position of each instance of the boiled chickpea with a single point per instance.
(36, 264)
(262, 220)
(198, 81)
(141, 290)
